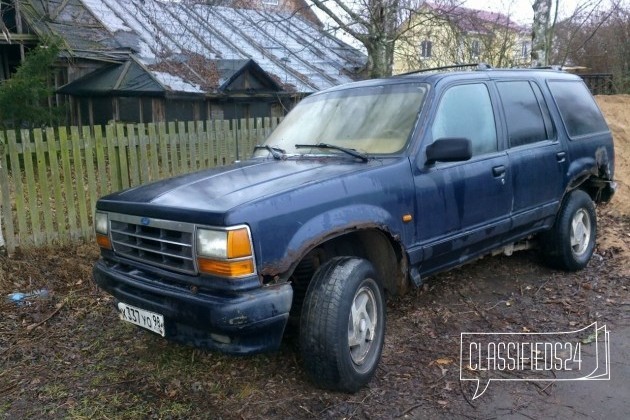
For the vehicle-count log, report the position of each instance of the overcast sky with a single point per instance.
(521, 10)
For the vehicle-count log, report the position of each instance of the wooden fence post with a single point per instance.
(5, 199)
(55, 174)
(172, 137)
(88, 145)
(1, 237)
(42, 177)
(16, 170)
(67, 178)
(3, 203)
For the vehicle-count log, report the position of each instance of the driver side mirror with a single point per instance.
(454, 149)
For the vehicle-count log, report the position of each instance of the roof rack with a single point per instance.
(555, 67)
(478, 66)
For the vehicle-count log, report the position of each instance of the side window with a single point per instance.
(577, 107)
(551, 129)
(523, 115)
(466, 111)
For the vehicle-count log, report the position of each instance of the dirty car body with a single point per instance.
(370, 186)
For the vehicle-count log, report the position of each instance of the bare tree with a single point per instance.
(547, 47)
(585, 25)
(541, 29)
(598, 41)
(377, 25)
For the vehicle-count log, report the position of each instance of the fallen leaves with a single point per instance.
(443, 361)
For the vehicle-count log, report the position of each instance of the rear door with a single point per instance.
(536, 157)
(462, 207)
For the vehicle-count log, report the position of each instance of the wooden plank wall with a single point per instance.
(51, 178)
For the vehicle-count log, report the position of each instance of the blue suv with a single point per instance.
(361, 192)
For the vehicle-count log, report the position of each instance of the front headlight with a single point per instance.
(101, 227)
(212, 243)
(101, 224)
(226, 253)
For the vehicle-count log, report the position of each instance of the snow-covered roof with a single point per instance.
(296, 53)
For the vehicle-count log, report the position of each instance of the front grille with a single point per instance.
(162, 243)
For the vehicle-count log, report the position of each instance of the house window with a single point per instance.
(525, 49)
(475, 48)
(425, 49)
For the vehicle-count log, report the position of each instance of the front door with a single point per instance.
(462, 208)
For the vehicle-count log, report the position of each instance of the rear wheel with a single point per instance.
(570, 243)
(343, 324)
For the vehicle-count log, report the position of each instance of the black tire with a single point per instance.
(570, 243)
(327, 327)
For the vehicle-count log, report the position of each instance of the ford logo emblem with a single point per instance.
(145, 221)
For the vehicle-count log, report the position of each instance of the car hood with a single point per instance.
(221, 189)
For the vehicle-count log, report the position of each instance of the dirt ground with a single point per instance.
(68, 355)
(616, 108)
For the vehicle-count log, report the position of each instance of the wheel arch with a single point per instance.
(342, 232)
(369, 241)
(594, 175)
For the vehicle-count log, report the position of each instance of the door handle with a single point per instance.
(561, 156)
(498, 171)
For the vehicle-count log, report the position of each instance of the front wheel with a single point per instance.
(570, 243)
(342, 326)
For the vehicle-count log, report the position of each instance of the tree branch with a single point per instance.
(357, 19)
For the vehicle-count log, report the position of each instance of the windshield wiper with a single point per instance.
(276, 152)
(351, 152)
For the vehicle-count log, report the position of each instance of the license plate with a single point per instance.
(145, 319)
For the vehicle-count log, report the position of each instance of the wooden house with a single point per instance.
(152, 60)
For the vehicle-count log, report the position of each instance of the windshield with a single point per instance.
(373, 120)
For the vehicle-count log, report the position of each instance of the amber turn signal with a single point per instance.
(237, 268)
(103, 241)
(238, 244)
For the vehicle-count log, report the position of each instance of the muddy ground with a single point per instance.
(68, 355)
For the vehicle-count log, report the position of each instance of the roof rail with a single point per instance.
(479, 66)
(555, 67)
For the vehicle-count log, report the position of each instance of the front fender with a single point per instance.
(326, 226)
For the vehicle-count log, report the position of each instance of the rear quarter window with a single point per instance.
(578, 109)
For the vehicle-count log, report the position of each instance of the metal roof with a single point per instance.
(173, 40)
(81, 32)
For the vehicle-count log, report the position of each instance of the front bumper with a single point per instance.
(242, 322)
